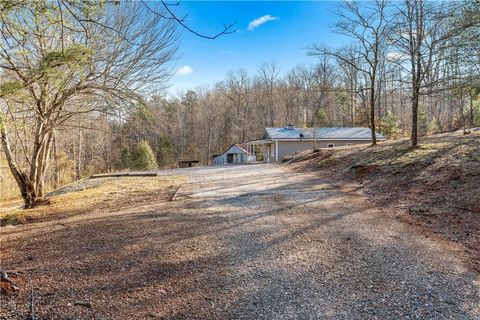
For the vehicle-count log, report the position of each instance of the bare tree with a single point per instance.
(303, 80)
(267, 75)
(366, 24)
(350, 78)
(236, 88)
(57, 68)
(421, 32)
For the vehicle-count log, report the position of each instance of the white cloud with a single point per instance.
(184, 70)
(259, 21)
(395, 56)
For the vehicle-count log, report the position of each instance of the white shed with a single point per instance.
(234, 154)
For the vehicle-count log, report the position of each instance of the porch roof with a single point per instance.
(260, 141)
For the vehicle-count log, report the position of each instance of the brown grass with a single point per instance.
(84, 196)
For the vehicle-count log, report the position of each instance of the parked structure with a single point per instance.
(234, 154)
(278, 142)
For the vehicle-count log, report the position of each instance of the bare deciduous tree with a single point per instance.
(366, 24)
(57, 68)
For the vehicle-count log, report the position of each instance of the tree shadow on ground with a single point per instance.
(286, 260)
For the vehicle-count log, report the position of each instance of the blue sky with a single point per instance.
(289, 28)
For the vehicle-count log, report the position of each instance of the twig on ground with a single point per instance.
(23, 245)
(32, 305)
(172, 198)
(126, 174)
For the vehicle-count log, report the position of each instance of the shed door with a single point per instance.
(229, 157)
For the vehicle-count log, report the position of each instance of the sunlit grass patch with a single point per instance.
(82, 197)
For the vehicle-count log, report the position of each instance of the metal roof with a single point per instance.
(242, 147)
(355, 133)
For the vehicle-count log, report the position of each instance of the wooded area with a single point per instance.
(83, 86)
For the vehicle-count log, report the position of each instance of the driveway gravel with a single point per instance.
(242, 242)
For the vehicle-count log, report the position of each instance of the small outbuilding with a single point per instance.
(236, 153)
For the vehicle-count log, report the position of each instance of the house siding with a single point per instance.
(291, 147)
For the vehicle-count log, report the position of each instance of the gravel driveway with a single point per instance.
(250, 242)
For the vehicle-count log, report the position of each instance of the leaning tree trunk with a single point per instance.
(30, 185)
(43, 164)
(27, 187)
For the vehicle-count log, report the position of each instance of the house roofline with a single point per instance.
(240, 147)
(233, 144)
(311, 139)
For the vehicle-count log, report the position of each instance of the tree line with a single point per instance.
(83, 86)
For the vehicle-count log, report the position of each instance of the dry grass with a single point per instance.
(88, 195)
(8, 186)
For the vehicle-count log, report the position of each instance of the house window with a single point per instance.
(330, 145)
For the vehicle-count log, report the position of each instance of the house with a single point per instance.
(278, 142)
(236, 153)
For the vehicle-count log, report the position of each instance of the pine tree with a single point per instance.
(124, 158)
(389, 125)
(143, 157)
(422, 121)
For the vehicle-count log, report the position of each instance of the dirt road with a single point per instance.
(239, 242)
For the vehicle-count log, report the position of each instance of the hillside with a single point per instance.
(435, 186)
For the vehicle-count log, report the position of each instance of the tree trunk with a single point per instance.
(415, 101)
(79, 156)
(56, 182)
(414, 136)
(416, 60)
(471, 110)
(43, 165)
(352, 107)
(415, 98)
(372, 111)
(27, 188)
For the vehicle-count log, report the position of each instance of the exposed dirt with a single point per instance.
(435, 185)
(239, 242)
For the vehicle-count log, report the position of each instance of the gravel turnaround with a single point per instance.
(249, 242)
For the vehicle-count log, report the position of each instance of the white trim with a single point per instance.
(259, 141)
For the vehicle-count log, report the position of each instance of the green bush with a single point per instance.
(389, 126)
(476, 113)
(143, 158)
